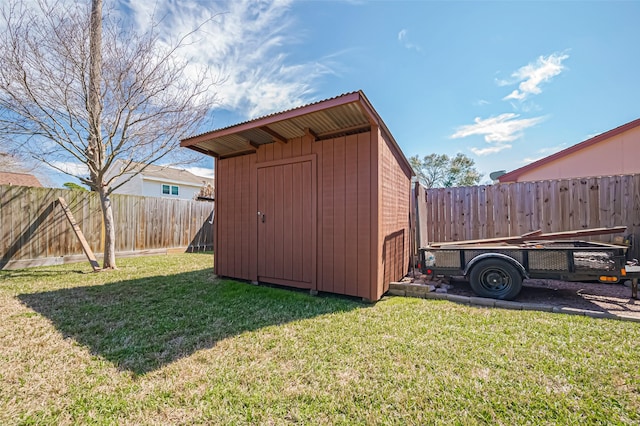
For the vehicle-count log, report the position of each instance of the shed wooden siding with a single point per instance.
(235, 248)
(345, 209)
(395, 190)
(359, 247)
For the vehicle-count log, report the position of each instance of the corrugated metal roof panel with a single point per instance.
(275, 114)
(231, 142)
(335, 119)
(341, 115)
(349, 115)
(288, 128)
(257, 136)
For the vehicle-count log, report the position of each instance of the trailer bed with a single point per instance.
(496, 269)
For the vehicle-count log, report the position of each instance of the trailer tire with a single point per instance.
(495, 278)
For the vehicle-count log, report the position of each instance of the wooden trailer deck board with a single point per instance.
(538, 236)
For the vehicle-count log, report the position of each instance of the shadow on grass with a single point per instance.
(36, 273)
(143, 324)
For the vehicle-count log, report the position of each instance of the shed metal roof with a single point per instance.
(342, 115)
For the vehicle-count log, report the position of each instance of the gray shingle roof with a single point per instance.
(170, 173)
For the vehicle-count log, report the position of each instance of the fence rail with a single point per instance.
(503, 210)
(35, 231)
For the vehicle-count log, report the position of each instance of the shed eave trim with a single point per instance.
(336, 133)
(265, 121)
(277, 136)
(202, 150)
(371, 112)
(237, 153)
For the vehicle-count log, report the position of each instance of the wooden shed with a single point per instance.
(316, 197)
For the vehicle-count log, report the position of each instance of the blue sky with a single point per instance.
(505, 83)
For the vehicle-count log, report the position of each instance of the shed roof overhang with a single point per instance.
(343, 115)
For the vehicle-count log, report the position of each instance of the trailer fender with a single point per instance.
(484, 256)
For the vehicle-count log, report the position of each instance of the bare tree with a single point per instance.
(206, 192)
(17, 162)
(75, 85)
(440, 170)
(12, 163)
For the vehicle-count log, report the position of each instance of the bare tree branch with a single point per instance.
(76, 85)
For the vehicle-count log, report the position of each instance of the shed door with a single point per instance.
(286, 222)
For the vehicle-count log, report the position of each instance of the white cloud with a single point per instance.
(498, 131)
(403, 38)
(71, 168)
(503, 128)
(501, 82)
(515, 95)
(244, 44)
(490, 150)
(544, 152)
(552, 149)
(592, 135)
(531, 76)
(207, 172)
(528, 160)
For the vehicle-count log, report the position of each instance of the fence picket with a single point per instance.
(513, 209)
(32, 231)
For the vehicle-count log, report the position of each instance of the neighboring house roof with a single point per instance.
(513, 175)
(342, 115)
(169, 174)
(19, 179)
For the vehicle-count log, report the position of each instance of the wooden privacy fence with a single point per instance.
(502, 210)
(34, 229)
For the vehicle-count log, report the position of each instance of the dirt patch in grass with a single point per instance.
(592, 296)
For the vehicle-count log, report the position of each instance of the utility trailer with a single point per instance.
(496, 268)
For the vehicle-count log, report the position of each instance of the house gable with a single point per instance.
(610, 153)
(149, 182)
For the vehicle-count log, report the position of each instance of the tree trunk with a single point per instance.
(95, 146)
(109, 261)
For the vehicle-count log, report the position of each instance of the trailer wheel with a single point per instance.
(495, 278)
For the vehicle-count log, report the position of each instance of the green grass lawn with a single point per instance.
(159, 341)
